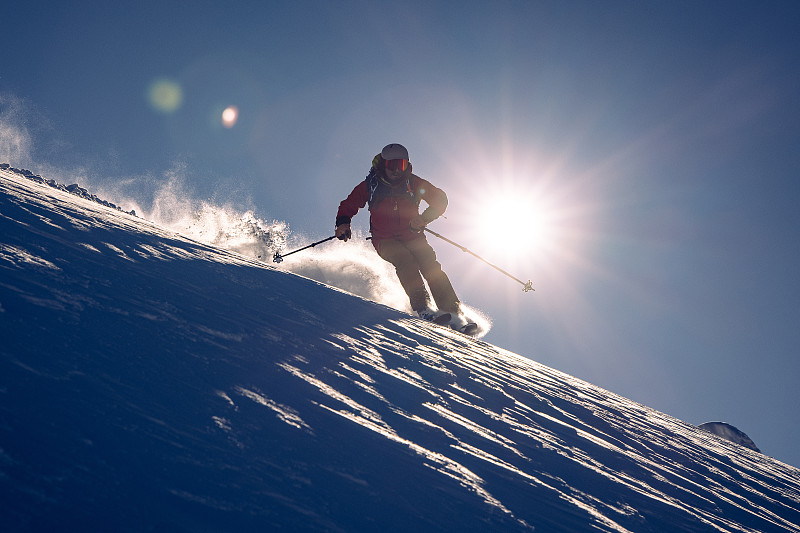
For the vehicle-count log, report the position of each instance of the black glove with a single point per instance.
(343, 232)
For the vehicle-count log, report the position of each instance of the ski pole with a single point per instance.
(525, 286)
(278, 257)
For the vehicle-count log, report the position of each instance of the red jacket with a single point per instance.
(392, 211)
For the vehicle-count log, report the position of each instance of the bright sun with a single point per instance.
(512, 226)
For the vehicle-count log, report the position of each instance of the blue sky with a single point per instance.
(650, 146)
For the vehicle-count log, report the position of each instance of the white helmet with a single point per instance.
(394, 151)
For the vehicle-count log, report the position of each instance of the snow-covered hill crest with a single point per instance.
(151, 382)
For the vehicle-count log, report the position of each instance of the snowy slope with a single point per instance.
(149, 382)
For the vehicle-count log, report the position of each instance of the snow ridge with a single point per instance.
(75, 189)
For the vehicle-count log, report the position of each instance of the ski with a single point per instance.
(470, 329)
(442, 319)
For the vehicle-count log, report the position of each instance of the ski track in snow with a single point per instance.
(511, 444)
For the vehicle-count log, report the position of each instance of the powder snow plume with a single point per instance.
(353, 266)
(15, 139)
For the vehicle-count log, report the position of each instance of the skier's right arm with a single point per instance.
(348, 208)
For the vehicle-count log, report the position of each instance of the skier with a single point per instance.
(393, 194)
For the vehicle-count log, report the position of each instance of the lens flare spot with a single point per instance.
(166, 96)
(229, 116)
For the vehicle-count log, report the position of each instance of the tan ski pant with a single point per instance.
(414, 260)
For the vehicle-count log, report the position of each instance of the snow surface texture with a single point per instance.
(150, 382)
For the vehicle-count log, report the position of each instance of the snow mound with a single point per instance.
(729, 432)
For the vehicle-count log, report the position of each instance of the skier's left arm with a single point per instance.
(436, 200)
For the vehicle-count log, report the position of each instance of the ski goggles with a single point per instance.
(397, 164)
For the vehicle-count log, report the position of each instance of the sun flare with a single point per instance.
(513, 225)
